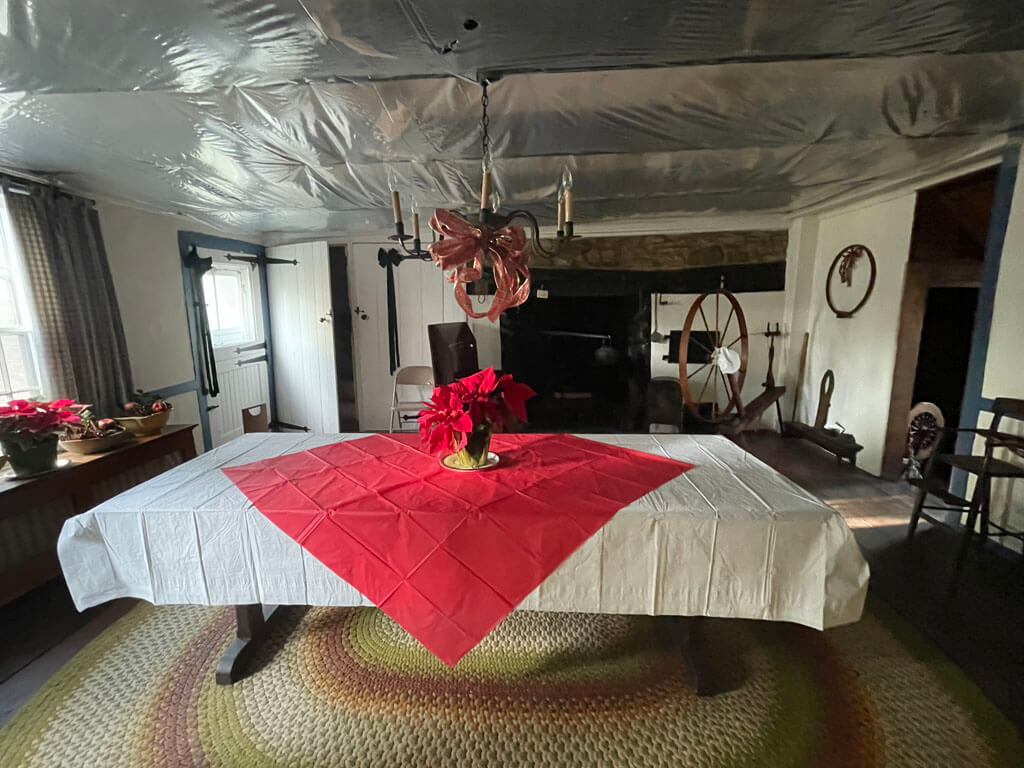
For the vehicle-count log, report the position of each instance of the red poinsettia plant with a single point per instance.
(483, 402)
(29, 422)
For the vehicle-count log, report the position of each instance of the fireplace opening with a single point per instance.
(587, 357)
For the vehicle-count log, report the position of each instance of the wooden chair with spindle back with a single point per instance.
(985, 467)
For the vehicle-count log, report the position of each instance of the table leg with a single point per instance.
(692, 644)
(251, 622)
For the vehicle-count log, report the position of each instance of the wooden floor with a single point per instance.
(980, 625)
(977, 621)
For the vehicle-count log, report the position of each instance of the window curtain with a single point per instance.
(82, 347)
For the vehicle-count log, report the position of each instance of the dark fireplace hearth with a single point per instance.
(587, 357)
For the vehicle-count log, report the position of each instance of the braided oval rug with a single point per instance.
(348, 687)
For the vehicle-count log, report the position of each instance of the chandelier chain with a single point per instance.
(485, 121)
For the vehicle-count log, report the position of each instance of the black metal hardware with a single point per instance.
(197, 267)
(278, 425)
(260, 259)
(389, 259)
(260, 359)
(416, 252)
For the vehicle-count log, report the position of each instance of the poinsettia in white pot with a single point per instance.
(29, 430)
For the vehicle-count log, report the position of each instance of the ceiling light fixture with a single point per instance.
(466, 244)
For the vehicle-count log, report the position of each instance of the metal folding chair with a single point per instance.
(420, 378)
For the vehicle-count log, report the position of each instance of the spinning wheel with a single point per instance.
(713, 351)
(924, 425)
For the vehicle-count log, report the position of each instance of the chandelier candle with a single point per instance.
(396, 206)
(567, 181)
(485, 192)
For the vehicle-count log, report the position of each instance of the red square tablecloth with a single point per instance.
(448, 554)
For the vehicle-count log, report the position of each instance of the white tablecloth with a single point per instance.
(730, 538)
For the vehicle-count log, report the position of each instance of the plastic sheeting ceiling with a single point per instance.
(287, 115)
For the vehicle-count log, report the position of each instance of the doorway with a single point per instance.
(940, 300)
(225, 283)
(341, 312)
(945, 351)
(234, 311)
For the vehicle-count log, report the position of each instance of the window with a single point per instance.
(19, 369)
(228, 289)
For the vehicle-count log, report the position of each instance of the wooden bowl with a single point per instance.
(89, 445)
(143, 426)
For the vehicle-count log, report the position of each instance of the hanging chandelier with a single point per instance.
(463, 245)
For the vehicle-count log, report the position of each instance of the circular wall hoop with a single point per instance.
(845, 260)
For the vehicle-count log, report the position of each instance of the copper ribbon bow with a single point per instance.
(463, 250)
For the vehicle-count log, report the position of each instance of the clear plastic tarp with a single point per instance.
(289, 116)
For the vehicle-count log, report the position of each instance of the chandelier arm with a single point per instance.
(534, 231)
(416, 252)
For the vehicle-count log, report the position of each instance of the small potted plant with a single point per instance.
(29, 430)
(92, 435)
(460, 417)
(147, 414)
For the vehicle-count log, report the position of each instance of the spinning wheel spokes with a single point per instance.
(710, 395)
(725, 328)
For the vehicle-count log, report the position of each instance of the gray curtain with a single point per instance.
(83, 350)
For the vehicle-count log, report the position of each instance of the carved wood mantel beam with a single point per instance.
(666, 252)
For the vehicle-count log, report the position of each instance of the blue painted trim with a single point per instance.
(268, 338)
(974, 403)
(185, 242)
(184, 245)
(213, 242)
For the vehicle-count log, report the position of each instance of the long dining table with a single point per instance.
(725, 536)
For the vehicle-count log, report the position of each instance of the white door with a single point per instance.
(235, 312)
(424, 297)
(368, 299)
(301, 321)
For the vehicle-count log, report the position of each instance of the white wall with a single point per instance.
(800, 259)
(861, 350)
(1005, 349)
(145, 263)
(1005, 358)
(759, 309)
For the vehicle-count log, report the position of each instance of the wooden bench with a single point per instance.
(844, 446)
